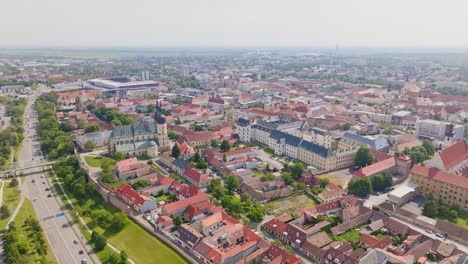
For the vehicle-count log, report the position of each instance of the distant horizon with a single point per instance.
(241, 23)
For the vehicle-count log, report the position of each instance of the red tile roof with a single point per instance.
(454, 154)
(198, 177)
(375, 168)
(441, 176)
(128, 165)
(170, 208)
(127, 193)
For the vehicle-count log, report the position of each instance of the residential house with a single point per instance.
(140, 203)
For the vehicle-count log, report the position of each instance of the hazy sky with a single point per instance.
(234, 22)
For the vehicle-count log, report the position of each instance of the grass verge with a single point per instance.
(24, 213)
(11, 198)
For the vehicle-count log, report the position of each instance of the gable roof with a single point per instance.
(127, 192)
(454, 154)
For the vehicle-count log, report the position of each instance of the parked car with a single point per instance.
(429, 231)
(439, 235)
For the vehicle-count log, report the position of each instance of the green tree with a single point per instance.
(232, 183)
(4, 212)
(113, 258)
(92, 128)
(90, 145)
(360, 187)
(178, 220)
(452, 215)
(13, 182)
(363, 157)
(175, 151)
(118, 156)
(100, 242)
(216, 188)
(224, 147)
(430, 208)
(118, 221)
(296, 170)
(324, 182)
(387, 132)
(427, 145)
(107, 164)
(214, 143)
(123, 257)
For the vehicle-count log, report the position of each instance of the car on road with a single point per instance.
(388, 214)
(428, 231)
(439, 235)
(47, 189)
(84, 261)
(49, 195)
(33, 181)
(75, 241)
(80, 252)
(65, 225)
(43, 182)
(34, 199)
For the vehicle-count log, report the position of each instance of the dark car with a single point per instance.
(80, 252)
(49, 195)
(47, 189)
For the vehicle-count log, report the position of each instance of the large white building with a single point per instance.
(439, 130)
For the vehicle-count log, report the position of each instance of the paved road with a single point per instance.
(60, 238)
(460, 246)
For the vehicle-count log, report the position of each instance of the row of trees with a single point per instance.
(365, 186)
(11, 136)
(436, 208)
(55, 142)
(113, 116)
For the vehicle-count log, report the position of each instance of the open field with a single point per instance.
(93, 161)
(289, 204)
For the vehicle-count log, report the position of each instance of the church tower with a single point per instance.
(161, 128)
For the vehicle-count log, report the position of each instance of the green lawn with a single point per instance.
(93, 161)
(25, 212)
(141, 246)
(462, 222)
(11, 197)
(156, 167)
(352, 235)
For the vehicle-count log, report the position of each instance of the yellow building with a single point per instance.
(450, 188)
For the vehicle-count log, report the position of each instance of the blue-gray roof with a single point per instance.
(289, 139)
(377, 144)
(180, 163)
(141, 128)
(317, 149)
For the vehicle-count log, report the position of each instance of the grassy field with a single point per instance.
(11, 198)
(93, 161)
(25, 212)
(289, 204)
(141, 246)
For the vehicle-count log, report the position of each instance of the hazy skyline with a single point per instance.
(234, 23)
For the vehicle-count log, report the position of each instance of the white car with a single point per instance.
(34, 199)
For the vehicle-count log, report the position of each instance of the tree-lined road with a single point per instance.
(60, 235)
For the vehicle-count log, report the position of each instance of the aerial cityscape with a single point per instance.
(234, 133)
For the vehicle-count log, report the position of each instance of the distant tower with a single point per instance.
(145, 75)
(161, 128)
